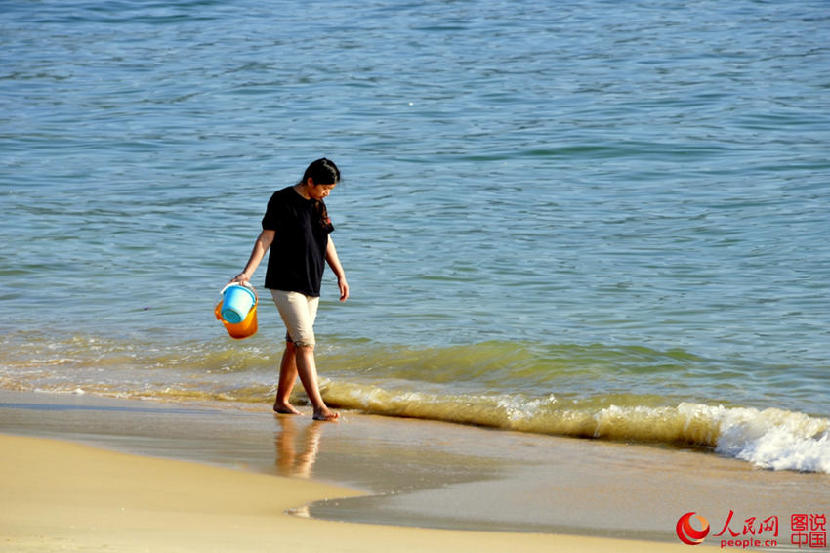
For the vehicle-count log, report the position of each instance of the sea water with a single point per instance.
(586, 218)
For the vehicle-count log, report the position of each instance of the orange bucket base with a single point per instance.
(240, 330)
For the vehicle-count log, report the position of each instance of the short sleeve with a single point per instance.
(271, 220)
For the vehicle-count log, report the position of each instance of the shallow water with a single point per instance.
(578, 219)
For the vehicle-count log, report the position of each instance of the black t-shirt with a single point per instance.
(298, 252)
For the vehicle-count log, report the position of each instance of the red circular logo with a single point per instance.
(689, 535)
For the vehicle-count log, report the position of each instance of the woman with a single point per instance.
(296, 229)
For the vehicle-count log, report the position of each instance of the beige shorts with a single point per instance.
(297, 311)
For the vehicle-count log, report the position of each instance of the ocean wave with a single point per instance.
(769, 438)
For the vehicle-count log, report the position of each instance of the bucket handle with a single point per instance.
(246, 284)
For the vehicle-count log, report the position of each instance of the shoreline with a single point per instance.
(408, 473)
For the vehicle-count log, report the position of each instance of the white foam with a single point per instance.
(518, 409)
(775, 439)
(57, 390)
(770, 438)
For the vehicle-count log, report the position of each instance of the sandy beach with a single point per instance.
(82, 473)
(61, 496)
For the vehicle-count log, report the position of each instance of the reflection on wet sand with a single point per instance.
(288, 461)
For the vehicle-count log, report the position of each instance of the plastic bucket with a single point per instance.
(241, 330)
(237, 303)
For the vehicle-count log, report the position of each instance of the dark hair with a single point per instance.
(322, 171)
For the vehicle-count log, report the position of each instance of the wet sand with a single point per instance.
(396, 472)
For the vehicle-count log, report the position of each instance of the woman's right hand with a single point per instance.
(241, 278)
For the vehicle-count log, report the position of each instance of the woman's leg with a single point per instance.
(307, 370)
(287, 379)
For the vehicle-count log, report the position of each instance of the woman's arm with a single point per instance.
(334, 263)
(263, 242)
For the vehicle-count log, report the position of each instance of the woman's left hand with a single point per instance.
(344, 288)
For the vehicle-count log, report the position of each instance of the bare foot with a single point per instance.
(286, 409)
(325, 414)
